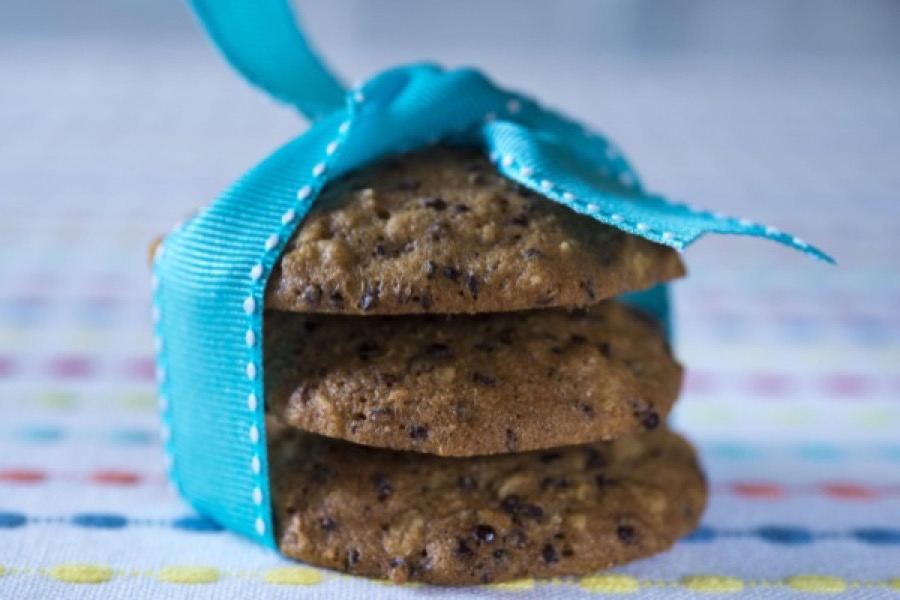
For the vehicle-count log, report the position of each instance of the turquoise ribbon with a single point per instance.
(210, 273)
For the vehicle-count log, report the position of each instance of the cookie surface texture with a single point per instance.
(458, 521)
(466, 385)
(441, 231)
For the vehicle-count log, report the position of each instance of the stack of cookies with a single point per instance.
(454, 396)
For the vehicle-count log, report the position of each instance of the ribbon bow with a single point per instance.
(210, 273)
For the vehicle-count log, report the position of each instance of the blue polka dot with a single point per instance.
(199, 524)
(701, 534)
(891, 452)
(876, 535)
(10, 520)
(823, 452)
(99, 521)
(40, 434)
(732, 451)
(785, 535)
(134, 436)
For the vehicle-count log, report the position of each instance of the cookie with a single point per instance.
(455, 521)
(465, 385)
(441, 231)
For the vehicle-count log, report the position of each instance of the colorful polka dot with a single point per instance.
(701, 534)
(712, 583)
(877, 535)
(519, 585)
(115, 477)
(293, 576)
(610, 583)
(848, 491)
(81, 573)
(199, 524)
(99, 521)
(40, 434)
(189, 574)
(11, 520)
(785, 535)
(757, 490)
(22, 475)
(822, 584)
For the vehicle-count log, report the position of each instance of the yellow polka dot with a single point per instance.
(894, 583)
(293, 576)
(2, 570)
(824, 584)
(513, 586)
(189, 574)
(81, 573)
(712, 583)
(139, 402)
(610, 583)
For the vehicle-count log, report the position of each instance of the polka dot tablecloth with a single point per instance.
(793, 391)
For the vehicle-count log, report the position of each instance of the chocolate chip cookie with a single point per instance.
(453, 521)
(441, 231)
(464, 385)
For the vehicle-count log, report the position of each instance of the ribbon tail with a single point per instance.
(263, 42)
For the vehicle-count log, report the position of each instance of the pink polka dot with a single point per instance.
(757, 490)
(847, 385)
(143, 368)
(22, 475)
(70, 366)
(849, 491)
(116, 477)
(770, 384)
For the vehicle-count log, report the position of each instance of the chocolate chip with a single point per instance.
(626, 534)
(472, 284)
(505, 337)
(369, 299)
(550, 456)
(484, 533)
(532, 253)
(512, 440)
(451, 273)
(602, 480)
(430, 268)
(588, 411)
(407, 185)
(462, 549)
(352, 557)
(380, 251)
(520, 220)
(426, 301)
(515, 507)
(604, 349)
(328, 524)
(383, 487)
(555, 483)
(437, 204)
(438, 351)
(461, 208)
(312, 294)
(337, 299)
(467, 484)
(549, 554)
(367, 350)
(650, 419)
(320, 473)
(588, 290)
(418, 432)
(482, 379)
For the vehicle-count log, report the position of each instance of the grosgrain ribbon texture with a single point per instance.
(210, 273)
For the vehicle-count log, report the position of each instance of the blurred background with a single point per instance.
(117, 118)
